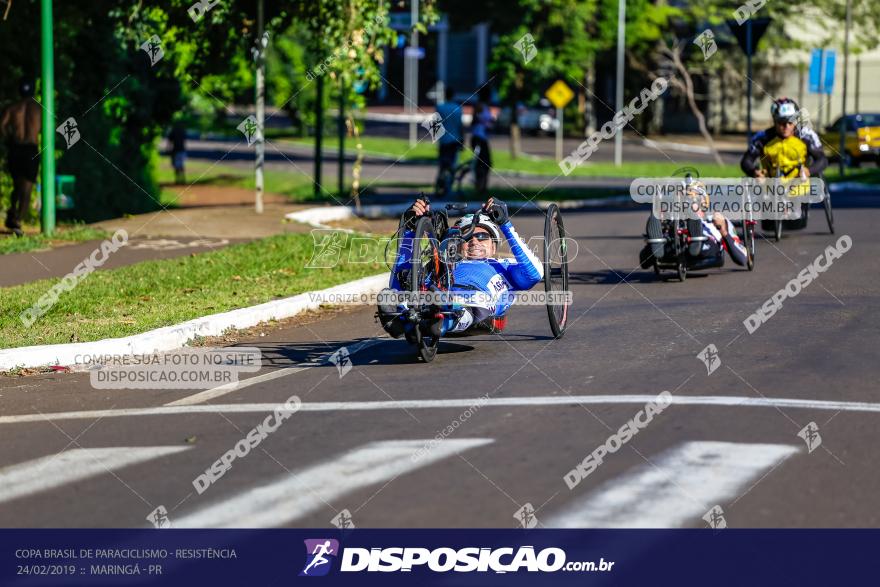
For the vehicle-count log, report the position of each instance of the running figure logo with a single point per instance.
(70, 131)
(526, 516)
(342, 360)
(706, 42)
(810, 435)
(343, 519)
(320, 553)
(710, 358)
(434, 125)
(715, 518)
(153, 48)
(159, 518)
(251, 130)
(526, 46)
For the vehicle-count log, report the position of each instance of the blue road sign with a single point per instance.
(822, 65)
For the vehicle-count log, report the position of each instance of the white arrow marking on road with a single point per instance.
(555, 400)
(209, 394)
(73, 465)
(304, 492)
(681, 485)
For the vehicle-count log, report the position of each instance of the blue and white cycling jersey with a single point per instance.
(485, 287)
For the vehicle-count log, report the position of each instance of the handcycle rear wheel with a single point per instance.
(556, 271)
(425, 271)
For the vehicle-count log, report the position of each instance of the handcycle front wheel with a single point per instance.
(749, 242)
(425, 271)
(556, 271)
(829, 213)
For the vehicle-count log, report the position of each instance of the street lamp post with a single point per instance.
(621, 42)
(47, 211)
(261, 111)
(411, 72)
(845, 79)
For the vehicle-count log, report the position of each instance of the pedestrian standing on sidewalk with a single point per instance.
(20, 130)
(451, 141)
(177, 138)
(480, 125)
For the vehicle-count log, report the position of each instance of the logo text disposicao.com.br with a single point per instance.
(463, 560)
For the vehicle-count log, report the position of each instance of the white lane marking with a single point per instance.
(73, 465)
(682, 485)
(566, 400)
(210, 394)
(306, 491)
(222, 390)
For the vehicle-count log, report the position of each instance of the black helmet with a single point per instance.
(26, 87)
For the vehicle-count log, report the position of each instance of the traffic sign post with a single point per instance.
(559, 95)
(822, 69)
(747, 36)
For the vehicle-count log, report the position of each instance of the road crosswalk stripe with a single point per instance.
(677, 487)
(556, 400)
(73, 465)
(304, 492)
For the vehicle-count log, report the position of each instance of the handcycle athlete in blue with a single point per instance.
(483, 285)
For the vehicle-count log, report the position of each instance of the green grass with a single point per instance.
(868, 176)
(292, 184)
(34, 240)
(153, 294)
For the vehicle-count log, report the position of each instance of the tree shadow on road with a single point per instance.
(616, 276)
(339, 353)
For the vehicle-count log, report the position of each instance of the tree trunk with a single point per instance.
(590, 85)
(515, 134)
(358, 161)
(688, 84)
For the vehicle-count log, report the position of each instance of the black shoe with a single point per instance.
(436, 327)
(389, 314)
(391, 323)
(695, 229)
(655, 233)
(646, 259)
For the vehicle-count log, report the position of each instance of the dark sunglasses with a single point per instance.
(482, 236)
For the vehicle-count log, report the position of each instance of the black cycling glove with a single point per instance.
(498, 212)
(409, 219)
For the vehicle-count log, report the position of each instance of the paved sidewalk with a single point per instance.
(200, 227)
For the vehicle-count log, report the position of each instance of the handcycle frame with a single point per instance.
(436, 273)
(677, 233)
(800, 223)
(458, 173)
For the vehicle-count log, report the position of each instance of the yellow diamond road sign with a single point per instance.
(559, 94)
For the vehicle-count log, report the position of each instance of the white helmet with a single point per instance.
(483, 221)
(784, 110)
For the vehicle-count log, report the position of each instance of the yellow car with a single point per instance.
(862, 138)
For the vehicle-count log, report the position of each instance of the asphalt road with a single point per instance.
(398, 443)
(286, 156)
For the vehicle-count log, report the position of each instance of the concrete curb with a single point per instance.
(178, 335)
(316, 217)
